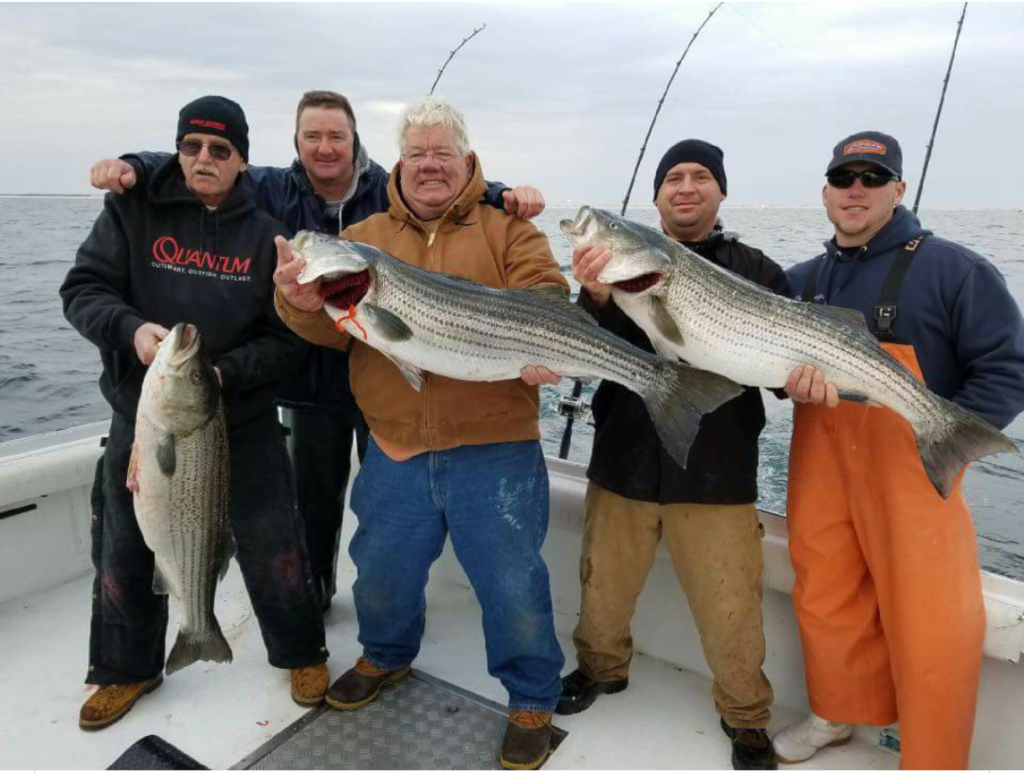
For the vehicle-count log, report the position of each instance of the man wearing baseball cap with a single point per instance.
(637, 494)
(888, 589)
(189, 246)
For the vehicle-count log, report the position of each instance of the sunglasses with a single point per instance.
(218, 151)
(844, 178)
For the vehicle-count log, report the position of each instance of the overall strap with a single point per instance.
(885, 309)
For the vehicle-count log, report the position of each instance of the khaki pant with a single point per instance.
(716, 553)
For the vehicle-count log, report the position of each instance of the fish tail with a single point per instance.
(950, 446)
(677, 397)
(190, 647)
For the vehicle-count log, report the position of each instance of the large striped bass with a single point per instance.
(426, 321)
(716, 320)
(179, 475)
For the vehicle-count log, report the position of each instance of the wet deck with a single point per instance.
(219, 714)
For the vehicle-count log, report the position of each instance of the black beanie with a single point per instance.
(694, 151)
(215, 115)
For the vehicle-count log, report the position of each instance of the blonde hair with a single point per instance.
(434, 111)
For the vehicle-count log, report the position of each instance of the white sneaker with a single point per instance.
(798, 742)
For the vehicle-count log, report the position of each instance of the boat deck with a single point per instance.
(219, 714)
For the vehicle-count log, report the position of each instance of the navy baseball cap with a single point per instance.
(869, 147)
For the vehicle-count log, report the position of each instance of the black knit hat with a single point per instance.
(694, 151)
(215, 115)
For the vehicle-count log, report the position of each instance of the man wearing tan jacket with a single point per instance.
(457, 457)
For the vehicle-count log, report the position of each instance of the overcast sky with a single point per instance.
(557, 96)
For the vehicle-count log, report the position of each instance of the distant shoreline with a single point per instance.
(49, 196)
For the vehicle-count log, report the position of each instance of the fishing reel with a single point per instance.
(576, 407)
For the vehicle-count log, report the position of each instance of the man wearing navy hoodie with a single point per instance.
(190, 246)
(888, 589)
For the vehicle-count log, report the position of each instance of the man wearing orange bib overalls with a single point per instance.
(888, 588)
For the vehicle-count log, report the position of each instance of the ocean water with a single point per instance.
(48, 372)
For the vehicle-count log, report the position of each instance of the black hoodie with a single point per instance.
(158, 254)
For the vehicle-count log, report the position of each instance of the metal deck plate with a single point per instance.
(418, 723)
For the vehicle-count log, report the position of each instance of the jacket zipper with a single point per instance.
(428, 436)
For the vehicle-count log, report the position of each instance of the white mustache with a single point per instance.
(208, 170)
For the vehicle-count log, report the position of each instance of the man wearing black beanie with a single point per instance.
(707, 514)
(215, 115)
(190, 246)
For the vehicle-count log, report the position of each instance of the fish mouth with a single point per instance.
(185, 341)
(577, 229)
(347, 290)
(638, 284)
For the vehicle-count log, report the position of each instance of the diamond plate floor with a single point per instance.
(419, 723)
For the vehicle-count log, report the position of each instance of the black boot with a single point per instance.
(527, 741)
(751, 748)
(360, 685)
(579, 692)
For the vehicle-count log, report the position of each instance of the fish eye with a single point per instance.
(195, 377)
(615, 226)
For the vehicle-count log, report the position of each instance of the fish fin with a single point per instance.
(413, 374)
(549, 293)
(677, 399)
(457, 278)
(957, 443)
(664, 323)
(852, 317)
(190, 647)
(228, 550)
(165, 456)
(160, 584)
(388, 324)
(133, 469)
(663, 349)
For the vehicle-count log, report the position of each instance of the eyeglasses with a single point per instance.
(218, 150)
(417, 158)
(871, 178)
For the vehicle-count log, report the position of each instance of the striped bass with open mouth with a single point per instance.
(716, 320)
(179, 475)
(427, 321)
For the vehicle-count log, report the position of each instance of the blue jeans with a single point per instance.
(493, 499)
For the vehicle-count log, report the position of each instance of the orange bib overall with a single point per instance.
(888, 589)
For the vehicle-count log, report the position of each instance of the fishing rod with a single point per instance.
(451, 54)
(571, 407)
(935, 127)
(643, 148)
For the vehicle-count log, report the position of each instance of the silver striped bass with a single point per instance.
(426, 321)
(179, 475)
(716, 320)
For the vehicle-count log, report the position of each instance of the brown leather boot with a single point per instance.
(527, 740)
(112, 702)
(360, 685)
(309, 684)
